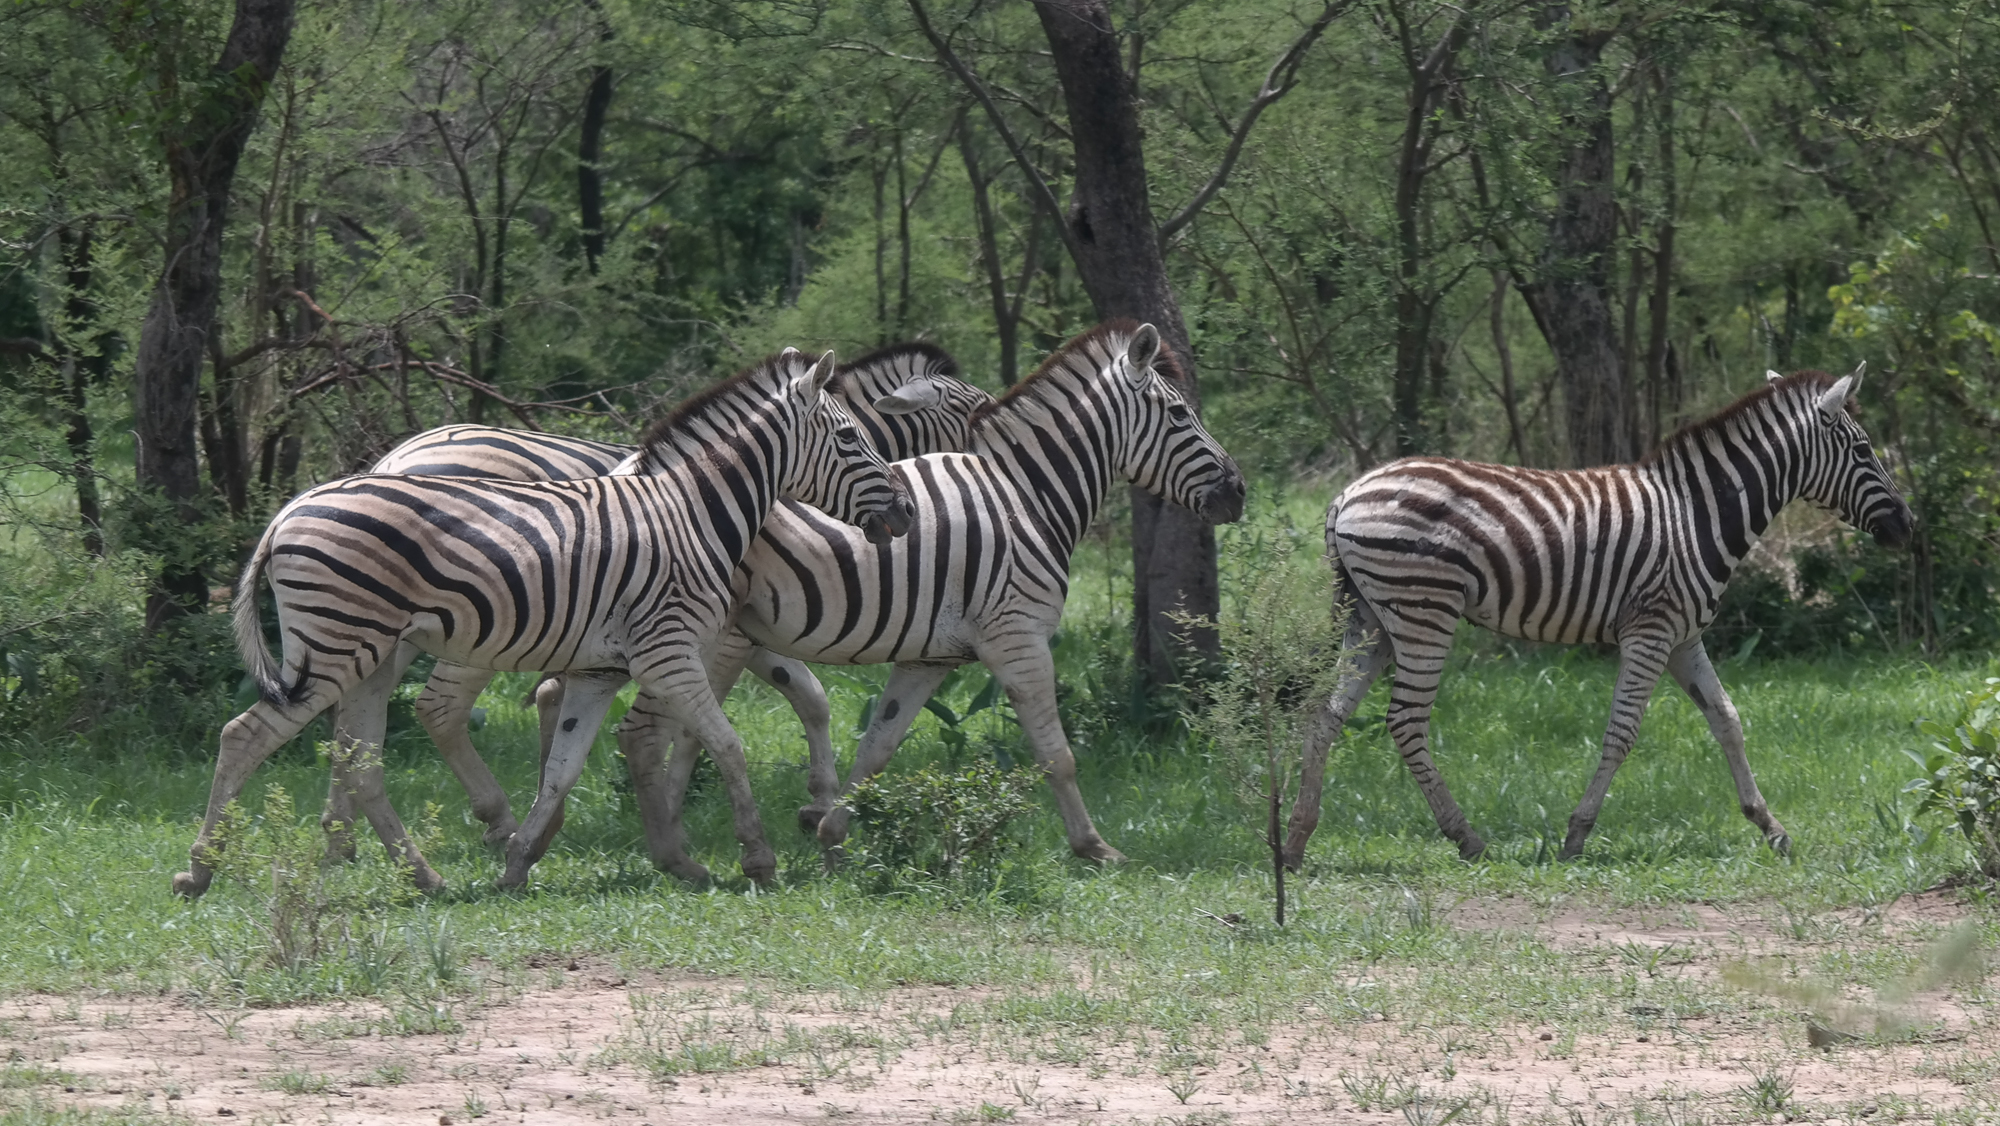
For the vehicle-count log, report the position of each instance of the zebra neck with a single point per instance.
(727, 468)
(1048, 456)
(1737, 475)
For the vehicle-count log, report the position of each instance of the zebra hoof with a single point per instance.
(688, 871)
(1293, 860)
(809, 819)
(761, 866)
(1472, 848)
(497, 836)
(1781, 843)
(189, 886)
(1099, 853)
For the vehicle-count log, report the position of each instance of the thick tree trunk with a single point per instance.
(590, 150)
(1571, 294)
(78, 367)
(201, 153)
(1117, 247)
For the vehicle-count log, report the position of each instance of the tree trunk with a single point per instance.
(590, 150)
(1117, 247)
(1658, 307)
(78, 367)
(201, 154)
(1571, 294)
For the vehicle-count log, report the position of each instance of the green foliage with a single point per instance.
(941, 824)
(1282, 658)
(1961, 777)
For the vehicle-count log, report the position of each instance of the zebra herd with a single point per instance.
(888, 512)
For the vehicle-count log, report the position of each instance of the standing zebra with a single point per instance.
(596, 577)
(1632, 555)
(981, 576)
(933, 408)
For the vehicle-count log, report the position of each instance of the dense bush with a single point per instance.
(1962, 773)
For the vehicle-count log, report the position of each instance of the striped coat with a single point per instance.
(597, 577)
(933, 408)
(1635, 556)
(983, 572)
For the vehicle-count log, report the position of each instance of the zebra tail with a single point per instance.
(250, 643)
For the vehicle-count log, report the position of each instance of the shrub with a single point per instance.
(1962, 773)
(941, 824)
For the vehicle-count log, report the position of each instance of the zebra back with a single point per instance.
(1591, 554)
(464, 450)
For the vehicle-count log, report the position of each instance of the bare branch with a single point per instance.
(1045, 196)
(1278, 81)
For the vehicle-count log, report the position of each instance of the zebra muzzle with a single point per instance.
(881, 527)
(1223, 502)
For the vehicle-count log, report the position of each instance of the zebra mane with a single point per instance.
(1811, 379)
(921, 356)
(659, 436)
(1084, 355)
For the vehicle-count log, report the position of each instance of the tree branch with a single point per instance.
(1278, 81)
(1045, 196)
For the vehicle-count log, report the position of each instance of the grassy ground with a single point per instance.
(1378, 931)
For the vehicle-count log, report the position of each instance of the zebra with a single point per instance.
(1631, 555)
(981, 576)
(933, 407)
(594, 577)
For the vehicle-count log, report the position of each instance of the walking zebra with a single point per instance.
(981, 576)
(1632, 555)
(933, 409)
(595, 577)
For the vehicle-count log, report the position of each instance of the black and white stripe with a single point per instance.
(1635, 556)
(598, 577)
(982, 574)
(933, 412)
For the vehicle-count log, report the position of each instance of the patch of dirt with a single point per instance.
(585, 1044)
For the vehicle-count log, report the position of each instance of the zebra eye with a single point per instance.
(847, 435)
(1179, 412)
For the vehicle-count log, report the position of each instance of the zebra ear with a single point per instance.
(823, 371)
(1836, 396)
(1145, 345)
(918, 394)
(1772, 376)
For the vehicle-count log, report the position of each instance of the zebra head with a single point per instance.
(1168, 452)
(838, 471)
(908, 400)
(1844, 474)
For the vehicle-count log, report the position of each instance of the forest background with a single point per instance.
(247, 248)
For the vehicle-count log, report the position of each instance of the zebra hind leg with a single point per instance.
(1691, 669)
(795, 681)
(1421, 647)
(246, 742)
(364, 721)
(585, 700)
(337, 821)
(909, 687)
(1372, 653)
(1639, 666)
(445, 709)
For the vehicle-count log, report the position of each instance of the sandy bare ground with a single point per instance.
(580, 1042)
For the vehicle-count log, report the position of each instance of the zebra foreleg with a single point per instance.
(337, 820)
(585, 700)
(800, 688)
(1690, 668)
(357, 763)
(548, 713)
(1639, 666)
(692, 702)
(445, 709)
(904, 696)
(1372, 653)
(246, 742)
(1030, 680)
(659, 790)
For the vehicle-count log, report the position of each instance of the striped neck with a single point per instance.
(1051, 435)
(1738, 470)
(732, 449)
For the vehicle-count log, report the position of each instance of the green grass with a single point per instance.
(87, 845)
